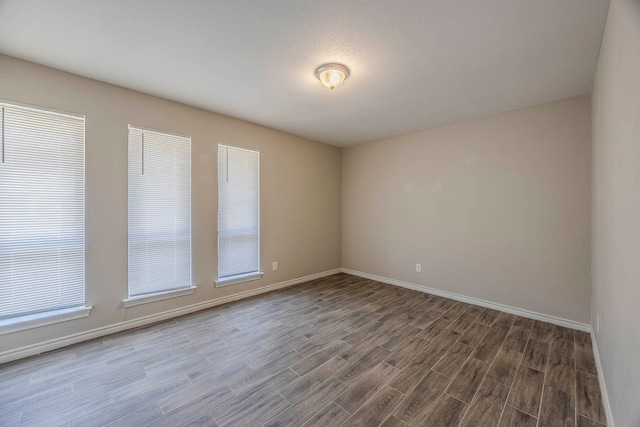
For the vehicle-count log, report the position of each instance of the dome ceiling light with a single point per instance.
(332, 75)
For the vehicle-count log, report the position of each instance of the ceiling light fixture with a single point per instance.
(332, 75)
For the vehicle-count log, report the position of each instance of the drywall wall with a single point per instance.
(616, 210)
(496, 209)
(300, 192)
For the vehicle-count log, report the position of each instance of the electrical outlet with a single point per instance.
(418, 268)
(274, 265)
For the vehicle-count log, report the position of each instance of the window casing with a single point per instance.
(159, 215)
(238, 215)
(42, 229)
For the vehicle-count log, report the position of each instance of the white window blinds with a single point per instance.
(41, 211)
(238, 211)
(159, 212)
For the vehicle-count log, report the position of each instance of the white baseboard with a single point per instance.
(475, 301)
(602, 383)
(53, 344)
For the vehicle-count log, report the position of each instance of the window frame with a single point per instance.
(37, 319)
(248, 276)
(134, 300)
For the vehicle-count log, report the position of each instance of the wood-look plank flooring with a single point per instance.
(341, 350)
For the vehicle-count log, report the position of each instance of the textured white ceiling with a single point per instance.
(414, 64)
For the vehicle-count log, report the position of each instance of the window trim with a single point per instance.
(157, 296)
(30, 321)
(238, 278)
(252, 275)
(132, 301)
(57, 315)
(48, 110)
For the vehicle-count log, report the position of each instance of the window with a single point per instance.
(159, 216)
(238, 215)
(41, 217)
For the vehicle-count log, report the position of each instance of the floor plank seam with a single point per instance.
(511, 386)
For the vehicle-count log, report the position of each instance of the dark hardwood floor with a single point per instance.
(336, 351)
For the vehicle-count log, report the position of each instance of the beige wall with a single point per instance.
(300, 192)
(616, 210)
(495, 209)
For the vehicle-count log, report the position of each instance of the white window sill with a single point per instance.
(30, 321)
(239, 278)
(159, 296)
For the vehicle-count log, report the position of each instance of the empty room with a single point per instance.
(320, 213)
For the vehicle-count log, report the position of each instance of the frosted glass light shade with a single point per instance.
(332, 75)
